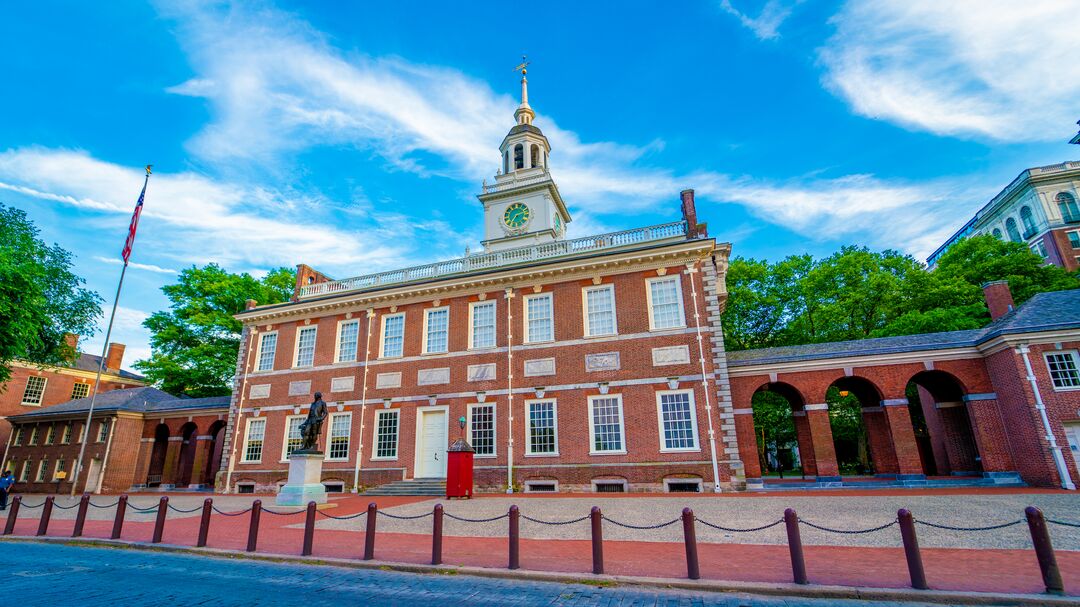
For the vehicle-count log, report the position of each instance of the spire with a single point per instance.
(524, 113)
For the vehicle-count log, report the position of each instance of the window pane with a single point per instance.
(438, 325)
(676, 416)
(386, 439)
(305, 347)
(1063, 370)
(607, 424)
(483, 325)
(539, 313)
(393, 335)
(293, 438)
(482, 429)
(103, 431)
(347, 341)
(600, 305)
(35, 387)
(1074, 239)
(339, 436)
(267, 351)
(542, 427)
(80, 391)
(666, 308)
(256, 433)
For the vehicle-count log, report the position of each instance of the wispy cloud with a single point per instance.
(766, 26)
(989, 68)
(149, 267)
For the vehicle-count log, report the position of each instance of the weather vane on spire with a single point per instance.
(521, 67)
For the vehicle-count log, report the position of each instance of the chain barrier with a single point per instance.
(848, 531)
(736, 530)
(1063, 523)
(182, 511)
(951, 528)
(223, 513)
(105, 507)
(29, 507)
(404, 517)
(476, 520)
(59, 507)
(640, 527)
(569, 522)
(275, 513)
(143, 510)
(342, 518)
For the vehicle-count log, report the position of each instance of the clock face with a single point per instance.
(516, 215)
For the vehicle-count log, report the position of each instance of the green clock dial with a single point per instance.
(516, 215)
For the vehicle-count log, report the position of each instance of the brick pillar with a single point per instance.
(939, 437)
(879, 440)
(806, 445)
(171, 469)
(202, 454)
(817, 417)
(990, 437)
(748, 445)
(142, 464)
(908, 461)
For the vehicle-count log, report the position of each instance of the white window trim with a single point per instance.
(330, 436)
(555, 426)
(592, 425)
(585, 310)
(65, 434)
(42, 473)
(693, 422)
(285, 437)
(424, 340)
(258, 351)
(1069, 240)
(296, 346)
(680, 481)
(525, 316)
(375, 436)
(41, 396)
(337, 342)
(247, 438)
(56, 468)
(382, 335)
(494, 428)
(679, 294)
(609, 481)
(528, 486)
(472, 306)
(1076, 361)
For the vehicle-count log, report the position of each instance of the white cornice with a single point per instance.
(874, 360)
(105, 376)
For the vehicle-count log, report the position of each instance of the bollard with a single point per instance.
(118, 522)
(515, 536)
(253, 527)
(794, 541)
(309, 529)
(159, 522)
(46, 514)
(911, 549)
(597, 540)
(9, 528)
(369, 532)
(204, 522)
(1044, 551)
(80, 517)
(436, 535)
(693, 571)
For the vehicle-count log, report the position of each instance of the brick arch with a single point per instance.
(158, 454)
(944, 430)
(189, 434)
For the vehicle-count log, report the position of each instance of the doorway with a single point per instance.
(93, 477)
(431, 440)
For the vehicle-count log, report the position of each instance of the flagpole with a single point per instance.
(101, 366)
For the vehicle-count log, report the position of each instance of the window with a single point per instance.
(682, 485)
(245, 487)
(665, 303)
(482, 429)
(50, 435)
(386, 433)
(35, 388)
(506, 162)
(600, 311)
(17, 440)
(267, 349)
(61, 466)
(542, 428)
(25, 474)
(253, 442)
(33, 435)
(1028, 219)
(80, 391)
(436, 330)
(293, 438)
(997, 234)
(609, 486)
(1063, 369)
(65, 436)
(1014, 234)
(348, 334)
(677, 421)
(534, 155)
(539, 322)
(606, 424)
(1074, 239)
(519, 156)
(339, 436)
(305, 346)
(43, 468)
(541, 486)
(482, 320)
(103, 431)
(1039, 249)
(1067, 205)
(82, 432)
(393, 335)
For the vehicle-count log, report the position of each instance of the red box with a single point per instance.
(459, 469)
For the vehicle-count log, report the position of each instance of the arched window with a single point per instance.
(1067, 204)
(534, 155)
(506, 162)
(1014, 234)
(997, 234)
(1029, 221)
(519, 157)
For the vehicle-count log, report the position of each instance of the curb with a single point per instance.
(812, 591)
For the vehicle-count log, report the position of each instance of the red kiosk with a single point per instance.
(459, 467)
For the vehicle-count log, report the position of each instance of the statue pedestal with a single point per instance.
(305, 480)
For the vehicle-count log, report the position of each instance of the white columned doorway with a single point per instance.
(431, 442)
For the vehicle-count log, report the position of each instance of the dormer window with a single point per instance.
(519, 157)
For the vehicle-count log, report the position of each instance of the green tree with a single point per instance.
(194, 344)
(41, 299)
(762, 300)
(773, 423)
(981, 259)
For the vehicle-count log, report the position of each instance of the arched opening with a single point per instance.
(942, 425)
(1067, 205)
(1014, 233)
(187, 454)
(534, 155)
(860, 431)
(217, 443)
(997, 234)
(506, 162)
(782, 440)
(519, 157)
(157, 456)
(1028, 219)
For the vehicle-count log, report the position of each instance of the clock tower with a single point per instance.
(523, 206)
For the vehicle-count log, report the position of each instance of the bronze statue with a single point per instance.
(311, 428)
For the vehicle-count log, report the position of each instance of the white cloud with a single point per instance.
(149, 267)
(989, 68)
(766, 25)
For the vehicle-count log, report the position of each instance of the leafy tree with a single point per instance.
(773, 423)
(41, 299)
(762, 300)
(981, 259)
(194, 344)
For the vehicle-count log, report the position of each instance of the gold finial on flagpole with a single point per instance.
(148, 167)
(521, 67)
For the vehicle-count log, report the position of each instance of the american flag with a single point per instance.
(126, 254)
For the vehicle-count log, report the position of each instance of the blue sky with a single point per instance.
(354, 136)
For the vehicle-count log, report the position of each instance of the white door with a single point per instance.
(433, 441)
(1072, 434)
(93, 476)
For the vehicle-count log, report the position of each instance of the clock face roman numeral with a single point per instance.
(516, 215)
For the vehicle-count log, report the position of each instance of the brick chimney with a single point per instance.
(998, 298)
(306, 275)
(250, 304)
(72, 340)
(689, 215)
(115, 357)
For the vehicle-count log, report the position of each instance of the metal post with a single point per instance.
(118, 522)
(369, 531)
(46, 514)
(159, 522)
(253, 527)
(515, 536)
(794, 540)
(80, 517)
(1044, 551)
(204, 522)
(693, 571)
(597, 540)
(13, 515)
(911, 549)
(436, 535)
(309, 529)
